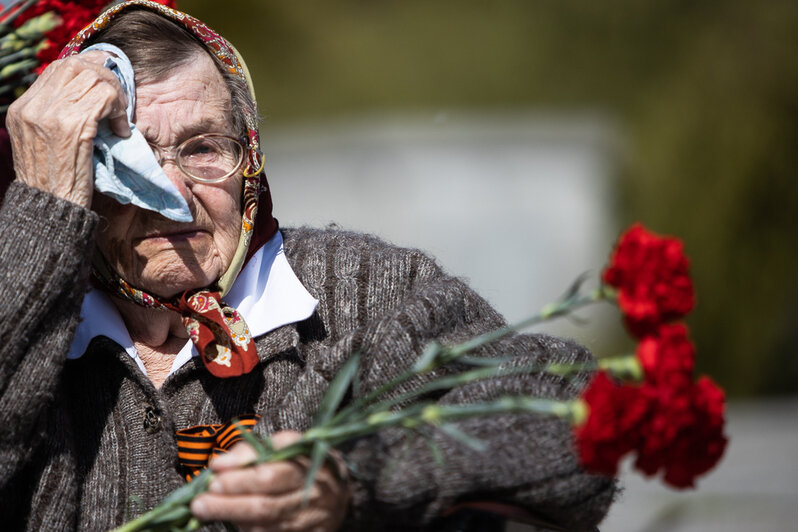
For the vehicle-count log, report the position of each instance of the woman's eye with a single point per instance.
(201, 149)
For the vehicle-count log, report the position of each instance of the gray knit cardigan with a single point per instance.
(82, 439)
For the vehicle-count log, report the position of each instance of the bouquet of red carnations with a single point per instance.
(673, 423)
(648, 402)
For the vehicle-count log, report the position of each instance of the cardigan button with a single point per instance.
(152, 421)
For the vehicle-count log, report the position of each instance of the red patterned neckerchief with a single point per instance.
(217, 330)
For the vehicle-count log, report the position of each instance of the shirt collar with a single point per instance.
(267, 293)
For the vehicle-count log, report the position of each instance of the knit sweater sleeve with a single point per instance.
(44, 245)
(399, 483)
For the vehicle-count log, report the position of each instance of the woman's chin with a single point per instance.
(175, 283)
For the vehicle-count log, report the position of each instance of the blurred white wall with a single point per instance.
(519, 204)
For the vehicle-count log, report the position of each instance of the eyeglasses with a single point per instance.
(207, 158)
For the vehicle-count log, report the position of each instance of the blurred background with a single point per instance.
(514, 139)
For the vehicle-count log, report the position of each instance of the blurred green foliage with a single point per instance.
(705, 93)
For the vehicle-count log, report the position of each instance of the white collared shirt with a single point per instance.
(266, 293)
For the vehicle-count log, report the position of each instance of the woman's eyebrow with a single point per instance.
(181, 132)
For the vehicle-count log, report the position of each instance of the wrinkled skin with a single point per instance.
(52, 127)
(259, 498)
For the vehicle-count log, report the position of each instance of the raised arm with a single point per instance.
(47, 238)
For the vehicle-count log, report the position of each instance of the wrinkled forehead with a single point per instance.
(191, 100)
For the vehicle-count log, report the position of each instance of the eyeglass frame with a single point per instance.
(168, 153)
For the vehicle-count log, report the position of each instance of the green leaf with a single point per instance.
(451, 381)
(177, 517)
(36, 27)
(19, 9)
(194, 487)
(15, 68)
(25, 53)
(335, 393)
(453, 431)
(263, 446)
(426, 361)
(481, 361)
(434, 450)
(317, 456)
(191, 525)
(575, 287)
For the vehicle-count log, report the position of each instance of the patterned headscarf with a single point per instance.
(220, 334)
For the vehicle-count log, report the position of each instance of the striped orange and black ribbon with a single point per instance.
(197, 445)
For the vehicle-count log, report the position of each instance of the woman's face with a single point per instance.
(149, 251)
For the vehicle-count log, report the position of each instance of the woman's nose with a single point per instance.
(179, 179)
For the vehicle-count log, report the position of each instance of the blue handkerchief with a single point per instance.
(126, 169)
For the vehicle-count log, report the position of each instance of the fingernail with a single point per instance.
(223, 461)
(215, 487)
(198, 507)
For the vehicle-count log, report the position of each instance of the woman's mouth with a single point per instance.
(174, 235)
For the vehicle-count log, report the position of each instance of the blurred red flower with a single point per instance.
(613, 425)
(651, 275)
(675, 430)
(700, 445)
(684, 436)
(667, 356)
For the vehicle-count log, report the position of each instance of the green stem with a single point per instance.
(459, 379)
(549, 312)
(179, 498)
(6, 24)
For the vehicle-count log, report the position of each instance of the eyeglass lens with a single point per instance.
(210, 158)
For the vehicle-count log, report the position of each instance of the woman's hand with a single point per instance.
(53, 124)
(270, 496)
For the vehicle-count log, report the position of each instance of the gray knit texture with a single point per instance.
(74, 451)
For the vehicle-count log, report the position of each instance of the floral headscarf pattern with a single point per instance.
(218, 331)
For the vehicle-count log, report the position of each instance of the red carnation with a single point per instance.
(700, 446)
(685, 436)
(612, 428)
(667, 357)
(671, 412)
(651, 275)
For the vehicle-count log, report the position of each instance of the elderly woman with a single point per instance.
(188, 325)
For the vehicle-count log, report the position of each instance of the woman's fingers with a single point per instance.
(117, 112)
(251, 508)
(272, 496)
(322, 507)
(237, 456)
(271, 479)
(117, 120)
(242, 453)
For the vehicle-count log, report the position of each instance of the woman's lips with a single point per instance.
(175, 234)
